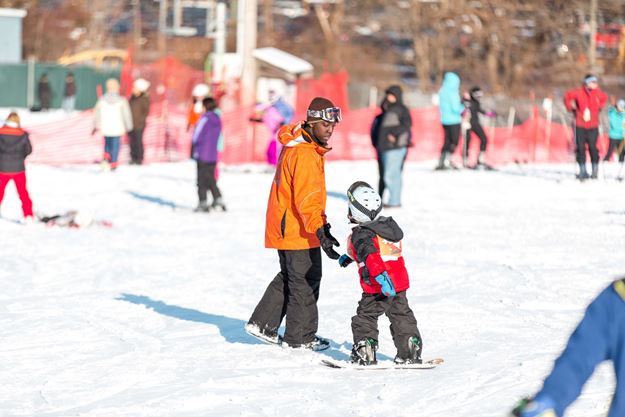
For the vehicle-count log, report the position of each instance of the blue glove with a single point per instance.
(345, 260)
(387, 285)
(541, 406)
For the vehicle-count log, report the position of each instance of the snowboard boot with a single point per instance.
(583, 174)
(317, 345)
(413, 355)
(254, 330)
(202, 207)
(595, 171)
(218, 203)
(363, 352)
(442, 162)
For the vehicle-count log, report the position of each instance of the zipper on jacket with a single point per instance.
(283, 224)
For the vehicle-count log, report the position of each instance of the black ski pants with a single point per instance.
(585, 137)
(136, 145)
(479, 132)
(293, 293)
(452, 137)
(618, 145)
(403, 322)
(206, 181)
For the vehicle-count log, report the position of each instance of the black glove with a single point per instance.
(328, 241)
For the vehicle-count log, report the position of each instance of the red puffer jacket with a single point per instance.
(582, 99)
(376, 247)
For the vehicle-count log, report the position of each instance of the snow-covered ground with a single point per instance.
(146, 318)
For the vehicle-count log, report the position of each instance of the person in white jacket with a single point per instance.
(113, 119)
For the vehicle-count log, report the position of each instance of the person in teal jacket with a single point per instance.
(451, 109)
(600, 336)
(616, 117)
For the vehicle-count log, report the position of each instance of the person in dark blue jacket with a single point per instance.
(600, 336)
(204, 151)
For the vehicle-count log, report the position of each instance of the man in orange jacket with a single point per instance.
(296, 226)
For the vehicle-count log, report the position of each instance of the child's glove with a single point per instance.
(345, 260)
(491, 113)
(327, 241)
(538, 407)
(385, 282)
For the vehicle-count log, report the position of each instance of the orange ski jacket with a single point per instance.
(297, 201)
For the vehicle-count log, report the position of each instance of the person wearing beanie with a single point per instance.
(391, 135)
(140, 109)
(14, 148)
(586, 103)
(296, 225)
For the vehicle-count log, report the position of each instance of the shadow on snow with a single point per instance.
(231, 329)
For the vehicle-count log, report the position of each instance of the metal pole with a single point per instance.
(248, 77)
(30, 86)
(220, 33)
(592, 52)
(162, 26)
(177, 16)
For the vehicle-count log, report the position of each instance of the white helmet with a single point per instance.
(200, 90)
(365, 204)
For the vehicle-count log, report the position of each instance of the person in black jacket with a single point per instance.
(14, 148)
(474, 105)
(393, 136)
(44, 91)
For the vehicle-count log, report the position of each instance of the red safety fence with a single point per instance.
(166, 139)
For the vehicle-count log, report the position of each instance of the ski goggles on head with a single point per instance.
(330, 115)
(591, 79)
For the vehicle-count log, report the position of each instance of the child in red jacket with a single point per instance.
(14, 148)
(375, 244)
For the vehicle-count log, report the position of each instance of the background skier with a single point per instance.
(474, 105)
(616, 118)
(586, 102)
(69, 93)
(140, 109)
(393, 138)
(205, 143)
(44, 92)
(297, 227)
(113, 119)
(451, 108)
(14, 148)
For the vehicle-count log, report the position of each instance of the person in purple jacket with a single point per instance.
(204, 151)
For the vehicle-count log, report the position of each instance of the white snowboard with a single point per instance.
(333, 363)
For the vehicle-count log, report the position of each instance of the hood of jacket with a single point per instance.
(395, 90)
(451, 82)
(295, 135)
(385, 227)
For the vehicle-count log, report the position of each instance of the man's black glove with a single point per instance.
(328, 241)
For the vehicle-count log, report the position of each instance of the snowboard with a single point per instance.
(336, 364)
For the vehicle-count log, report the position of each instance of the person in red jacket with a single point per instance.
(586, 103)
(14, 148)
(375, 244)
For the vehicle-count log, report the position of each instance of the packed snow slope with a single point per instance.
(146, 318)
